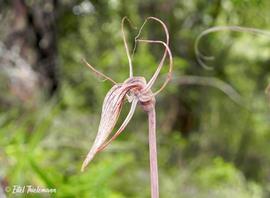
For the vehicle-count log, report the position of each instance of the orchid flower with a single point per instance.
(201, 57)
(137, 91)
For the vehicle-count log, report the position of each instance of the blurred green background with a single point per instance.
(50, 103)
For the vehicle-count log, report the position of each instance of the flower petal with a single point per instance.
(111, 109)
(123, 126)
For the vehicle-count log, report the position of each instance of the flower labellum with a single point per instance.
(111, 109)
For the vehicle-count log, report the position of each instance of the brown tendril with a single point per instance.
(154, 77)
(169, 75)
(98, 72)
(125, 43)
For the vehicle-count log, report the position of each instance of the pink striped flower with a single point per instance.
(137, 91)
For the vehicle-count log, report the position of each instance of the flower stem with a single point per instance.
(153, 153)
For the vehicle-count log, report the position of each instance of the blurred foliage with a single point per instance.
(208, 145)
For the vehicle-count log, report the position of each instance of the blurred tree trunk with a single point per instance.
(33, 33)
